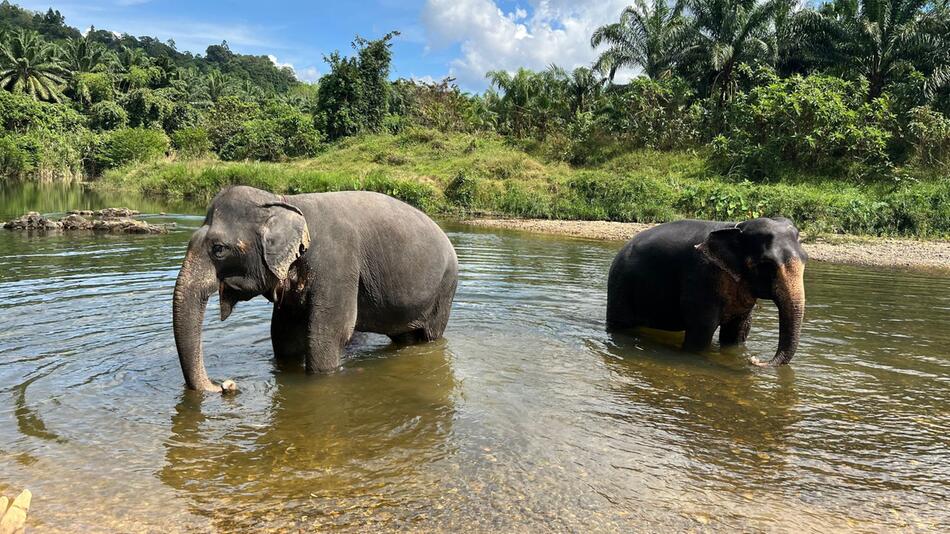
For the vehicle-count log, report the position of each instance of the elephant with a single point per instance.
(331, 264)
(698, 276)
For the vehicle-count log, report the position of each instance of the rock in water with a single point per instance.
(114, 220)
(32, 221)
(13, 519)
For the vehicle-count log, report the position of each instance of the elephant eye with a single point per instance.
(218, 250)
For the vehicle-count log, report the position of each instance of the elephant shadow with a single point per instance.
(308, 450)
(731, 422)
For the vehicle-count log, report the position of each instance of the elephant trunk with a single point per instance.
(789, 293)
(195, 284)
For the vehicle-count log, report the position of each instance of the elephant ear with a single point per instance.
(284, 236)
(724, 249)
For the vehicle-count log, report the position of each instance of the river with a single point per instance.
(527, 416)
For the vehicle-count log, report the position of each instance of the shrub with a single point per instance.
(19, 113)
(815, 123)
(108, 116)
(130, 145)
(257, 139)
(300, 136)
(461, 190)
(929, 137)
(15, 162)
(96, 86)
(147, 108)
(226, 119)
(656, 114)
(191, 142)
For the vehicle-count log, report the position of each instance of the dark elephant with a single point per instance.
(698, 276)
(331, 263)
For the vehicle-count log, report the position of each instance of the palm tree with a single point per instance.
(132, 57)
(217, 85)
(582, 87)
(31, 66)
(880, 40)
(647, 36)
(515, 104)
(724, 34)
(83, 55)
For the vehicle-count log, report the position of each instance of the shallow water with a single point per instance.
(527, 416)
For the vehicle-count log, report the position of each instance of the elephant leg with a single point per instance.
(331, 325)
(736, 330)
(410, 338)
(288, 333)
(700, 330)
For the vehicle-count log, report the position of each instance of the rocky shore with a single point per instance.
(108, 220)
(857, 250)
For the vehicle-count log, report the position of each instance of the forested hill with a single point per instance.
(258, 71)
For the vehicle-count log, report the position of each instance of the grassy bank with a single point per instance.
(463, 174)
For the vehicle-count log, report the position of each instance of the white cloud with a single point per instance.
(308, 74)
(278, 64)
(555, 31)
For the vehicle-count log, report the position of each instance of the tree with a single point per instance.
(83, 55)
(583, 87)
(724, 34)
(216, 85)
(879, 40)
(30, 65)
(647, 36)
(354, 96)
(219, 53)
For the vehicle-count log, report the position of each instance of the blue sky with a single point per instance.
(461, 38)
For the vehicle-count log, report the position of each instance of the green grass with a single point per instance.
(468, 175)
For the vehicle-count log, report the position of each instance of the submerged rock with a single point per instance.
(112, 220)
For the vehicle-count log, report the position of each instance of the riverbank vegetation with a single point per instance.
(836, 117)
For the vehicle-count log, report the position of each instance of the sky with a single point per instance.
(459, 38)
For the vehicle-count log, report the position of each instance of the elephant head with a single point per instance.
(765, 257)
(245, 248)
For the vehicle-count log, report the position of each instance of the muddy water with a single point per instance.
(527, 416)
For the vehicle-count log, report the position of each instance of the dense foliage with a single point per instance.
(761, 92)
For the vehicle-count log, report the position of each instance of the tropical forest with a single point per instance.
(836, 114)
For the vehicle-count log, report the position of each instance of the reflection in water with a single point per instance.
(734, 427)
(371, 433)
(527, 417)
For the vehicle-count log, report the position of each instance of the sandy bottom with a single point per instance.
(859, 250)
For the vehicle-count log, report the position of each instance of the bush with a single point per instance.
(461, 190)
(96, 86)
(19, 113)
(15, 162)
(656, 114)
(929, 137)
(147, 108)
(257, 139)
(814, 123)
(226, 119)
(301, 138)
(191, 142)
(131, 145)
(107, 116)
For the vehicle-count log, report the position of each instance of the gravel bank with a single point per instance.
(858, 250)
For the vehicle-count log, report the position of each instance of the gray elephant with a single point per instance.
(698, 276)
(331, 263)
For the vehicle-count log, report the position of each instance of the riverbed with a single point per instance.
(527, 416)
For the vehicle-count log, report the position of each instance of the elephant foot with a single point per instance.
(226, 387)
